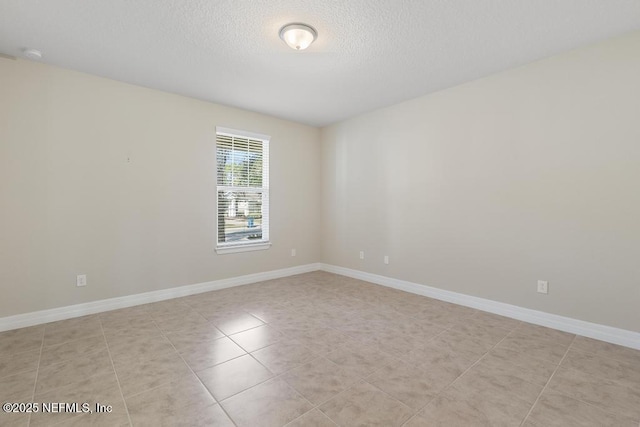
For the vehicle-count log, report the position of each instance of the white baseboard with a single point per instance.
(567, 324)
(592, 330)
(71, 311)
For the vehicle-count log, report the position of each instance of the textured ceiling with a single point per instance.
(369, 53)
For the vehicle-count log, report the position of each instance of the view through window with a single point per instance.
(242, 189)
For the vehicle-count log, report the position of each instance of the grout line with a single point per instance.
(196, 375)
(113, 366)
(35, 384)
(598, 408)
(548, 382)
(600, 355)
(295, 307)
(467, 370)
(246, 389)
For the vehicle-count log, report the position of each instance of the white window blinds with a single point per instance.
(242, 189)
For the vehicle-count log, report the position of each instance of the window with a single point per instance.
(242, 160)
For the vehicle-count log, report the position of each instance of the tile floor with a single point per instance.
(315, 350)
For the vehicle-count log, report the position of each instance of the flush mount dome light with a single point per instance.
(298, 36)
(34, 54)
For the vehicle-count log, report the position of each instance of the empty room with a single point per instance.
(320, 213)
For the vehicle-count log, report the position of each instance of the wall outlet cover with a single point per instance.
(543, 287)
(81, 280)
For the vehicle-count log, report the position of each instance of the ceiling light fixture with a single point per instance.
(34, 54)
(298, 36)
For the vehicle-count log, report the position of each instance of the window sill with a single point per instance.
(222, 250)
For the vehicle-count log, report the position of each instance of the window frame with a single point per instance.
(265, 242)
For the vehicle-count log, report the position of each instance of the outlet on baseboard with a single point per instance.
(543, 287)
(294, 252)
(386, 259)
(361, 254)
(81, 280)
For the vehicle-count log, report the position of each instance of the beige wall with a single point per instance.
(70, 202)
(481, 189)
(485, 188)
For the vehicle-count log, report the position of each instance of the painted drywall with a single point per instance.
(72, 203)
(487, 187)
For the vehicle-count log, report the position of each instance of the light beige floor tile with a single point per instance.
(97, 420)
(170, 307)
(207, 416)
(606, 394)
(210, 353)
(490, 334)
(445, 411)
(444, 316)
(72, 350)
(102, 389)
(393, 343)
(257, 338)
(18, 387)
(127, 347)
(72, 329)
(21, 340)
(180, 322)
(321, 340)
(434, 358)
(283, 356)
(182, 402)
(550, 350)
(135, 312)
(359, 330)
(229, 378)
(21, 362)
(126, 318)
(623, 372)
(144, 374)
(411, 385)
(489, 380)
(365, 405)
(416, 421)
(194, 337)
(313, 418)
(482, 397)
(73, 369)
(14, 419)
(360, 359)
(213, 308)
(540, 332)
(490, 320)
(299, 323)
(269, 314)
(462, 344)
(131, 328)
(232, 323)
(320, 315)
(270, 404)
(605, 349)
(421, 330)
(319, 380)
(557, 410)
(520, 364)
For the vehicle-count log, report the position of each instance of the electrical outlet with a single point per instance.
(386, 259)
(543, 287)
(81, 280)
(293, 252)
(361, 254)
